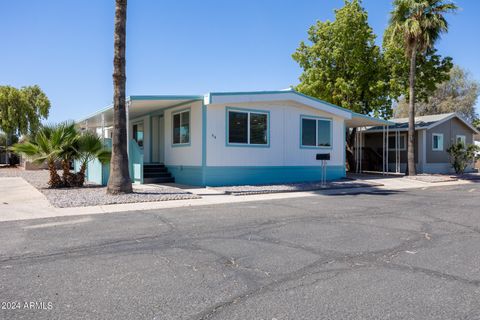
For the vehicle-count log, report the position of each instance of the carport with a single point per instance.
(359, 123)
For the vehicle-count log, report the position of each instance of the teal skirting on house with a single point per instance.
(223, 176)
(191, 175)
(96, 171)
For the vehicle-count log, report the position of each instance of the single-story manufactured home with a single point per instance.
(434, 134)
(230, 138)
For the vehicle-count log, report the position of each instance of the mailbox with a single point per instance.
(323, 156)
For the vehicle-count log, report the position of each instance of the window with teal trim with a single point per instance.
(247, 127)
(316, 132)
(181, 127)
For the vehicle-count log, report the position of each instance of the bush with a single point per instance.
(461, 156)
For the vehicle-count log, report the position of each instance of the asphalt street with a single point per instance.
(390, 255)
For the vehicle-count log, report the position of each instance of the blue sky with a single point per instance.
(178, 47)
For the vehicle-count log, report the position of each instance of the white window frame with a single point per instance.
(392, 147)
(462, 137)
(181, 112)
(248, 143)
(433, 141)
(317, 119)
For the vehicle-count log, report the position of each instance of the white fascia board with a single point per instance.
(267, 96)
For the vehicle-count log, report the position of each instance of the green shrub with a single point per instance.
(461, 156)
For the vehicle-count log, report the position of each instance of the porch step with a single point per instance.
(159, 180)
(156, 173)
(154, 166)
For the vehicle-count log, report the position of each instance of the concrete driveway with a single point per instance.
(392, 255)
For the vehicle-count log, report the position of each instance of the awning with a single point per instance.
(361, 120)
(138, 106)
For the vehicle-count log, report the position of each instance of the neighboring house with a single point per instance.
(433, 135)
(230, 138)
(476, 139)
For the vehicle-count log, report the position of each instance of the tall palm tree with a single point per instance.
(119, 181)
(421, 22)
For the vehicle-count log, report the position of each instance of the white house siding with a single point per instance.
(146, 134)
(283, 158)
(284, 149)
(185, 162)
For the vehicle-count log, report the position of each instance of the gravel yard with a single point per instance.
(432, 178)
(294, 187)
(93, 194)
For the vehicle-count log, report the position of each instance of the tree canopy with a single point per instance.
(343, 65)
(431, 68)
(22, 110)
(457, 94)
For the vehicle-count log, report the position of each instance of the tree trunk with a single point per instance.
(67, 176)
(80, 179)
(411, 114)
(55, 180)
(350, 151)
(119, 181)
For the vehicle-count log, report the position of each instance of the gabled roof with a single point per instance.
(143, 104)
(352, 119)
(423, 122)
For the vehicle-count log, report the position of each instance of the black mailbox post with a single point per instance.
(323, 157)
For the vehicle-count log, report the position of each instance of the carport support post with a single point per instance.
(103, 128)
(127, 116)
(386, 152)
(383, 149)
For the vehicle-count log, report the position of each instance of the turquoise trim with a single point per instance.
(321, 101)
(189, 175)
(204, 141)
(162, 111)
(224, 176)
(96, 171)
(279, 92)
(176, 145)
(251, 175)
(165, 97)
(150, 139)
(245, 110)
(135, 159)
(237, 93)
(306, 116)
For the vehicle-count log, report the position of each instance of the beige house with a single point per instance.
(433, 135)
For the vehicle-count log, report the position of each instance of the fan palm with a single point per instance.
(45, 146)
(420, 22)
(89, 147)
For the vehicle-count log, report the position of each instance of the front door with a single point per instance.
(158, 138)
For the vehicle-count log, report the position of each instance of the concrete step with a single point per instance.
(158, 180)
(156, 174)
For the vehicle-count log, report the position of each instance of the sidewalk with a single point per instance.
(20, 201)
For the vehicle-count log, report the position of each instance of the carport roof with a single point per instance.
(423, 122)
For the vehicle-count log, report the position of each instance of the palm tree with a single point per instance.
(45, 146)
(119, 180)
(420, 22)
(89, 147)
(66, 150)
